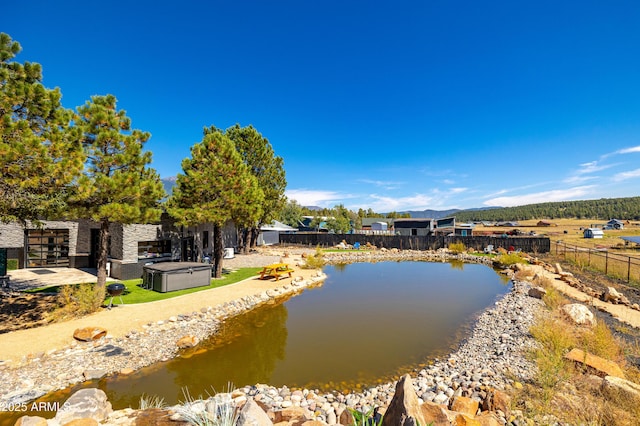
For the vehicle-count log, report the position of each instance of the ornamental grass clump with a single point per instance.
(457, 247)
(315, 261)
(508, 259)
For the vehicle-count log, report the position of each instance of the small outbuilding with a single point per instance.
(593, 233)
(614, 224)
(379, 226)
(270, 234)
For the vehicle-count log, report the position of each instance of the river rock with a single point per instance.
(579, 314)
(187, 342)
(89, 334)
(86, 403)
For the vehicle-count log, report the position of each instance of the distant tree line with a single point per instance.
(602, 209)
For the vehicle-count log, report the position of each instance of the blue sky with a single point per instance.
(383, 105)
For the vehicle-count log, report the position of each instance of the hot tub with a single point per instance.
(171, 276)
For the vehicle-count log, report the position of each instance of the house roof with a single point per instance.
(632, 239)
(367, 221)
(413, 223)
(277, 226)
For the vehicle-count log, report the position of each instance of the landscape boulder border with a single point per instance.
(492, 360)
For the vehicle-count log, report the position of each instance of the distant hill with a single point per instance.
(432, 214)
(604, 209)
(168, 183)
(438, 214)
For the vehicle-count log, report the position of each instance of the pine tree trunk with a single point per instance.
(254, 237)
(246, 240)
(218, 251)
(103, 252)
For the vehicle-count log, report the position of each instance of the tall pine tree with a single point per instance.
(215, 187)
(258, 154)
(117, 185)
(40, 152)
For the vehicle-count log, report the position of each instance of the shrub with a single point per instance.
(457, 247)
(12, 264)
(315, 261)
(78, 300)
(510, 259)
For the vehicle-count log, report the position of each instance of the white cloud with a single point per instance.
(539, 197)
(579, 179)
(626, 175)
(314, 197)
(592, 167)
(628, 150)
(382, 183)
(457, 190)
(413, 202)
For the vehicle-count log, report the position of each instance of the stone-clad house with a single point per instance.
(74, 244)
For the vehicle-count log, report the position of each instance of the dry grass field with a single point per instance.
(570, 232)
(610, 254)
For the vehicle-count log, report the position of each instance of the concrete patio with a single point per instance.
(24, 279)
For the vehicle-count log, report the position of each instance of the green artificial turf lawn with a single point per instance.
(134, 293)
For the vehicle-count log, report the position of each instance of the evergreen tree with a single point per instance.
(216, 186)
(40, 153)
(258, 154)
(117, 185)
(291, 213)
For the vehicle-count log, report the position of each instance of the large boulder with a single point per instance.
(252, 415)
(579, 314)
(616, 387)
(434, 414)
(602, 367)
(404, 408)
(31, 421)
(537, 292)
(85, 403)
(611, 295)
(89, 334)
(497, 400)
(464, 405)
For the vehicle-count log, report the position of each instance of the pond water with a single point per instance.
(368, 323)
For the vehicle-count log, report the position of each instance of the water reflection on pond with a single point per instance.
(366, 324)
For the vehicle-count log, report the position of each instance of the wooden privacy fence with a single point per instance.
(613, 264)
(403, 242)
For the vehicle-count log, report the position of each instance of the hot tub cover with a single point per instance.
(169, 267)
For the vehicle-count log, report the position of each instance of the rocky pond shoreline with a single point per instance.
(491, 359)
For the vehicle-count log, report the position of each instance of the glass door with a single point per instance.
(47, 247)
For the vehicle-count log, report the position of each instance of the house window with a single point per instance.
(47, 247)
(205, 239)
(147, 249)
(414, 232)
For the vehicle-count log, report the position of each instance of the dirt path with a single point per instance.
(620, 312)
(122, 319)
